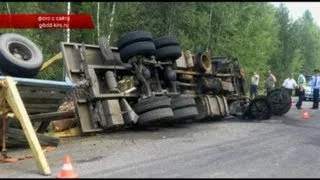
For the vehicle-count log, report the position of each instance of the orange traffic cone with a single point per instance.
(67, 170)
(305, 115)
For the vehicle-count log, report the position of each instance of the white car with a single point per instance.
(308, 92)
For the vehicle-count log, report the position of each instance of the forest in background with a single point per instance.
(259, 34)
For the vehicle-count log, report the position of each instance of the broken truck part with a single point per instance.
(41, 99)
(19, 57)
(10, 94)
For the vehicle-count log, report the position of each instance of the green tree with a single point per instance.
(308, 34)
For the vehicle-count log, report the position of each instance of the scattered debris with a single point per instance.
(17, 139)
(66, 106)
(46, 149)
(65, 124)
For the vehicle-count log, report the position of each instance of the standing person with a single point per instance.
(315, 85)
(271, 81)
(300, 90)
(254, 85)
(289, 84)
(243, 73)
(242, 81)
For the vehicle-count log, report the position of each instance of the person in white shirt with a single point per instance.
(290, 84)
(270, 82)
(254, 85)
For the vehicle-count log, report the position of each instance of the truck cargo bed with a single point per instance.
(42, 96)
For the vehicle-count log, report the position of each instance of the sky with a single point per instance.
(297, 9)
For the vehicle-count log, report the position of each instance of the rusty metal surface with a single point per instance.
(96, 107)
(4, 128)
(212, 106)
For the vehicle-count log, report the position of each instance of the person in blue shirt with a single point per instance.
(315, 85)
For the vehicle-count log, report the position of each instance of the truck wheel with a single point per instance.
(280, 102)
(166, 41)
(184, 114)
(133, 37)
(168, 52)
(144, 48)
(162, 114)
(259, 109)
(182, 102)
(151, 104)
(19, 56)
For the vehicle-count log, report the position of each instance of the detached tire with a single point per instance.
(166, 41)
(133, 37)
(19, 56)
(168, 52)
(259, 109)
(280, 101)
(144, 48)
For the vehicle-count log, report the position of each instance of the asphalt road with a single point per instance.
(283, 147)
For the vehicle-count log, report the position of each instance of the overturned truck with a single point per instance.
(146, 81)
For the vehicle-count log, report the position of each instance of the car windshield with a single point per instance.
(308, 79)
